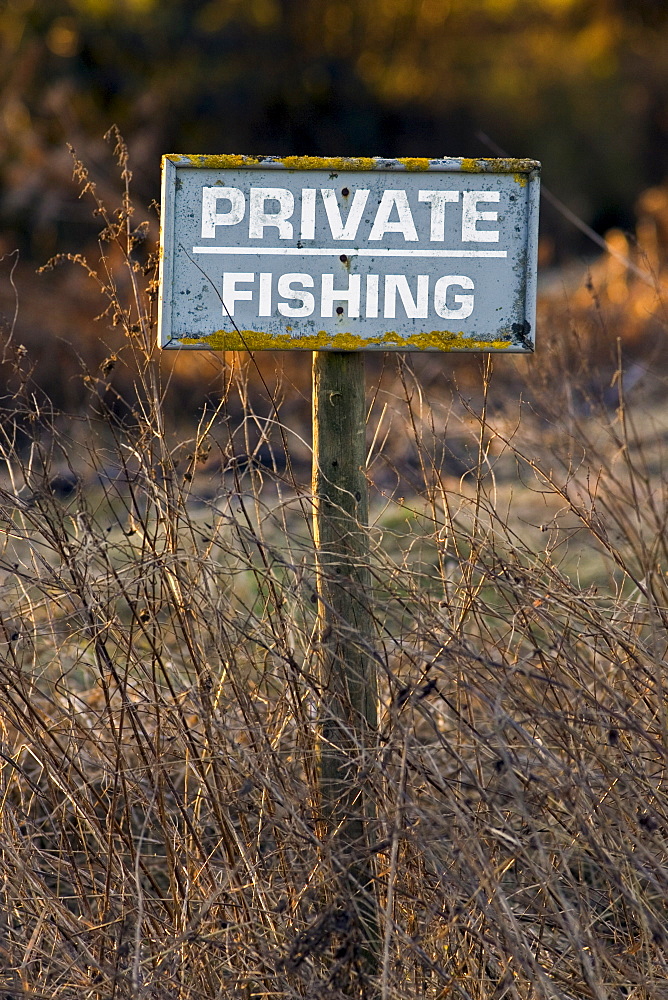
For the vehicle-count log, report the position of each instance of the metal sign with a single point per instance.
(304, 253)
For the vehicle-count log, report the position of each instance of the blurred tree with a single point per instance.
(580, 84)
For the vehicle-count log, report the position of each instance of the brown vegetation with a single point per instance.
(160, 830)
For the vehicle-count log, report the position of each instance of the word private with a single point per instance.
(312, 254)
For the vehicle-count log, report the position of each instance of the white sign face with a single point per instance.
(348, 254)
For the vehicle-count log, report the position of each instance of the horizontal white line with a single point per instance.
(340, 251)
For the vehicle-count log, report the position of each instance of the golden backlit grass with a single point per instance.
(160, 698)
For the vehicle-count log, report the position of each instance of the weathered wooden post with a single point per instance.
(419, 255)
(348, 676)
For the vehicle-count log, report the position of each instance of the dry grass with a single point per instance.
(160, 832)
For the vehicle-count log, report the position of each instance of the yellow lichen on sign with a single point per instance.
(251, 340)
(519, 168)
(415, 162)
(328, 162)
(224, 161)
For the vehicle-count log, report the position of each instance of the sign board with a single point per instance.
(306, 253)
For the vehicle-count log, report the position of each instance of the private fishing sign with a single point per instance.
(306, 253)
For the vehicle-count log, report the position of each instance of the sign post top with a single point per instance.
(313, 253)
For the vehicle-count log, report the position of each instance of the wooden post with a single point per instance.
(348, 677)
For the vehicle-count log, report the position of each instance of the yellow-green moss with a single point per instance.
(415, 162)
(231, 161)
(251, 340)
(328, 162)
(519, 168)
(223, 161)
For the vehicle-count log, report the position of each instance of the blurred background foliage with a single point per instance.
(580, 84)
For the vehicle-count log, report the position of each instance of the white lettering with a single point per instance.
(465, 302)
(452, 299)
(438, 201)
(308, 214)
(349, 230)
(259, 219)
(285, 283)
(232, 294)
(372, 296)
(471, 216)
(351, 295)
(264, 308)
(211, 218)
(415, 309)
(404, 223)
